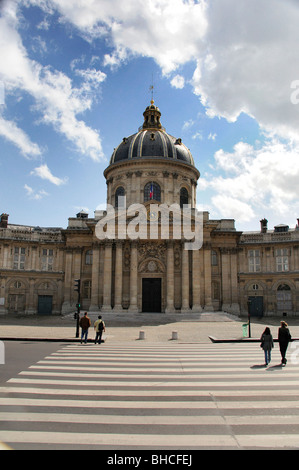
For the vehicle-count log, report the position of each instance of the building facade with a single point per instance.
(131, 259)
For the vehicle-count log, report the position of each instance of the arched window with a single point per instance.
(120, 192)
(184, 197)
(152, 191)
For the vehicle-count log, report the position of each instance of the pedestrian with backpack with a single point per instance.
(99, 327)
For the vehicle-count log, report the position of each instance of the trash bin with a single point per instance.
(245, 330)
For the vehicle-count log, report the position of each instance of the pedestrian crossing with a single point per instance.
(152, 396)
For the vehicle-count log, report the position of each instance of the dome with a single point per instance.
(152, 141)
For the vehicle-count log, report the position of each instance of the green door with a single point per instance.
(256, 307)
(45, 304)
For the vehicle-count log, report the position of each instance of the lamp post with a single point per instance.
(249, 323)
(78, 289)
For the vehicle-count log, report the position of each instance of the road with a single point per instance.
(147, 396)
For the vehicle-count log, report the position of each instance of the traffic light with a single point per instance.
(78, 285)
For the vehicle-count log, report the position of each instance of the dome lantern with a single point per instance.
(152, 116)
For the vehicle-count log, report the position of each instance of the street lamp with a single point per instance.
(78, 305)
(249, 324)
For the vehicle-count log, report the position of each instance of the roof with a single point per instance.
(152, 141)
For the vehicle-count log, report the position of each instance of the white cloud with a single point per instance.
(32, 194)
(244, 52)
(11, 132)
(250, 61)
(44, 172)
(178, 82)
(168, 31)
(212, 136)
(56, 99)
(255, 182)
(188, 124)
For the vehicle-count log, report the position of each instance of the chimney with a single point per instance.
(297, 226)
(4, 220)
(264, 225)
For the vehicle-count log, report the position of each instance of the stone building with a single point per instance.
(131, 259)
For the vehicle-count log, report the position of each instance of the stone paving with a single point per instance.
(191, 328)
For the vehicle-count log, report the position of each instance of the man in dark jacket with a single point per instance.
(85, 325)
(284, 337)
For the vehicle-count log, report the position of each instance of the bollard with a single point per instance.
(174, 335)
(245, 330)
(141, 335)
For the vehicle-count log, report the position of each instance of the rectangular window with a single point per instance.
(47, 260)
(254, 261)
(19, 258)
(282, 260)
(214, 258)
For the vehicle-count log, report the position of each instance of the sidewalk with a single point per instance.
(190, 328)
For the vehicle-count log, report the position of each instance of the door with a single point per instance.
(256, 308)
(284, 298)
(151, 295)
(45, 304)
(16, 303)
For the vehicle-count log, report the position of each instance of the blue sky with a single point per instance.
(75, 79)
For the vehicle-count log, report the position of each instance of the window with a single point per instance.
(282, 260)
(284, 298)
(152, 191)
(254, 261)
(47, 260)
(184, 197)
(88, 257)
(214, 258)
(120, 192)
(87, 290)
(19, 258)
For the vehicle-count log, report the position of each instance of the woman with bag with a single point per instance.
(267, 344)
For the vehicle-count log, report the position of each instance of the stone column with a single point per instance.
(106, 307)
(235, 307)
(66, 306)
(133, 278)
(208, 280)
(185, 279)
(94, 303)
(170, 278)
(30, 310)
(118, 276)
(226, 288)
(196, 307)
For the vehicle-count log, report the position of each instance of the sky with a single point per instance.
(75, 78)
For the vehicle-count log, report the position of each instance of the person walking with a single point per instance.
(284, 337)
(267, 344)
(85, 324)
(99, 327)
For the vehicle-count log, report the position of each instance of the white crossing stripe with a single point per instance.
(153, 396)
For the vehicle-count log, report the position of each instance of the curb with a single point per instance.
(49, 340)
(243, 340)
